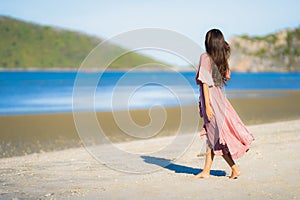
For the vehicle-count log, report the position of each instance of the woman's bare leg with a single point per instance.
(208, 163)
(235, 170)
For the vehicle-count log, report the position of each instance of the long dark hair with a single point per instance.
(219, 51)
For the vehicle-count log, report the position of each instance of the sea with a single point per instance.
(44, 92)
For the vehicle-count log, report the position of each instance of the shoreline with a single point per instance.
(235, 98)
(27, 134)
(74, 173)
(97, 69)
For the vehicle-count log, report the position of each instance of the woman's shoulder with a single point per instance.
(204, 56)
(205, 59)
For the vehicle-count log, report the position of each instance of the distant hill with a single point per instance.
(25, 45)
(273, 52)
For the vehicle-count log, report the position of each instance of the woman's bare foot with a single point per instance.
(203, 175)
(234, 174)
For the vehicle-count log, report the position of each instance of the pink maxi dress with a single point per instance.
(225, 132)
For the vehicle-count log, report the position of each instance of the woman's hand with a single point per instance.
(209, 112)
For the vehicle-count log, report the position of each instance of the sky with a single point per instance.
(192, 18)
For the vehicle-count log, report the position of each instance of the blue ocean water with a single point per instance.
(33, 92)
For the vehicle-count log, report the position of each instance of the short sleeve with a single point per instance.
(204, 71)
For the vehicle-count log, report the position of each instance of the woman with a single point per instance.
(225, 133)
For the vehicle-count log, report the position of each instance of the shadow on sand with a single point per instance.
(167, 164)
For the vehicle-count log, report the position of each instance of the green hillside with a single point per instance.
(26, 45)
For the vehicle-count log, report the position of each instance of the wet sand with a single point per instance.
(21, 135)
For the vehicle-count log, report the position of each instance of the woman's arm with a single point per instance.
(228, 74)
(209, 112)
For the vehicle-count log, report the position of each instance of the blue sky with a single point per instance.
(189, 17)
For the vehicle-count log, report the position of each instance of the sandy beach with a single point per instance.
(270, 170)
(42, 157)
